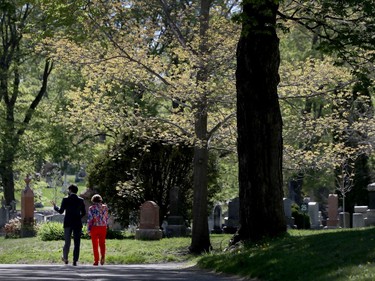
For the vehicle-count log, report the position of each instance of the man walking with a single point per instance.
(74, 208)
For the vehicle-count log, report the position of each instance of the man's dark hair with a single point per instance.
(73, 188)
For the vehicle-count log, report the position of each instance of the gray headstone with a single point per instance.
(39, 218)
(233, 220)
(56, 218)
(217, 221)
(313, 210)
(3, 216)
(287, 207)
(358, 220)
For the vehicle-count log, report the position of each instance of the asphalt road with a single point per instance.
(153, 272)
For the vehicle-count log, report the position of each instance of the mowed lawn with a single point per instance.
(305, 255)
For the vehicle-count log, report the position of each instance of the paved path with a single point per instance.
(153, 272)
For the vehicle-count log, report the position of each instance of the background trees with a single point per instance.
(178, 56)
(164, 71)
(24, 75)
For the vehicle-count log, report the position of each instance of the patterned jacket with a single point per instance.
(97, 216)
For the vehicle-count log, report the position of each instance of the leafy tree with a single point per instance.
(19, 22)
(138, 169)
(179, 55)
(338, 110)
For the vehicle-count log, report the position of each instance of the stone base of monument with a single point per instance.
(332, 224)
(148, 234)
(27, 231)
(176, 230)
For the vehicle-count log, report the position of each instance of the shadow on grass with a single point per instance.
(323, 255)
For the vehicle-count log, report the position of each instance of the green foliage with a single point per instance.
(301, 219)
(136, 170)
(51, 231)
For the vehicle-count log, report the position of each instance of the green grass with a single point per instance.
(325, 255)
(127, 251)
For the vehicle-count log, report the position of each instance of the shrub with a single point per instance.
(13, 228)
(301, 220)
(51, 231)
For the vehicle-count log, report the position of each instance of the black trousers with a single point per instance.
(77, 242)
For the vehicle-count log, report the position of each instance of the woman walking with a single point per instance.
(97, 227)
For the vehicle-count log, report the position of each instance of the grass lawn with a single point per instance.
(324, 255)
(127, 251)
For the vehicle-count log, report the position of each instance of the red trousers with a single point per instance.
(98, 234)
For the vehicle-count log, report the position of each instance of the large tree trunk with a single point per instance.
(200, 234)
(259, 124)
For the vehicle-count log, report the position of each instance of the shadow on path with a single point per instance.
(153, 272)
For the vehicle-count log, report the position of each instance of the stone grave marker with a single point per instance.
(288, 212)
(333, 203)
(370, 220)
(55, 218)
(313, 210)
(3, 216)
(175, 222)
(149, 228)
(27, 210)
(217, 221)
(39, 218)
(233, 221)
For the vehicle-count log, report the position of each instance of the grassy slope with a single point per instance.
(304, 255)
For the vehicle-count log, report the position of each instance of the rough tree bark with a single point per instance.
(259, 124)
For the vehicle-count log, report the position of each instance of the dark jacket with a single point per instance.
(74, 208)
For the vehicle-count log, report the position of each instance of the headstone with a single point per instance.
(370, 220)
(344, 219)
(288, 212)
(217, 220)
(313, 209)
(176, 224)
(3, 216)
(149, 228)
(333, 203)
(232, 222)
(39, 218)
(359, 216)
(358, 220)
(27, 210)
(55, 218)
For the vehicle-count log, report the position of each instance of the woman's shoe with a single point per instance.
(96, 263)
(102, 260)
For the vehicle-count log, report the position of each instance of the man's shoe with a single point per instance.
(64, 260)
(75, 263)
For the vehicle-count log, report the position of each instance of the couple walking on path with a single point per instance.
(97, 221)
